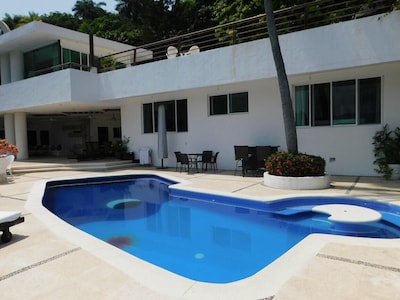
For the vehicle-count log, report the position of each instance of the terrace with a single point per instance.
(50, 263)
(288, 20)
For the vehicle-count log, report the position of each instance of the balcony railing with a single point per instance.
(69, 65)
(296, 18)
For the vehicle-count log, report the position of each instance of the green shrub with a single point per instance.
(295, 164)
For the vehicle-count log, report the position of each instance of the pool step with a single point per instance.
(294, 210)
(42, 166)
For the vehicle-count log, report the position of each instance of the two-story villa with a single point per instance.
(344, 78)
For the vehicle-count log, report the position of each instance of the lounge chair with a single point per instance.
(8, 219)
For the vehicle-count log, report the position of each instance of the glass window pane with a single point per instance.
(169, 115)
(148, 118)
(302, 94)
(40, 61)
(369, 101)
(84, 59)
(344, 102)
(219, 105)
(238, 102)
(182, 115)
(320, 100)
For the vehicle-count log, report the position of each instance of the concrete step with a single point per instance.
(30, 166)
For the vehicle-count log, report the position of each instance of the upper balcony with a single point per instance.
(300, 17)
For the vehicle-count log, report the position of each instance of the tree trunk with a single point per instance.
(287, 106)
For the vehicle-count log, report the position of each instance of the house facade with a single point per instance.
(344, 79)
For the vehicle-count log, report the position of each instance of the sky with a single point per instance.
(23, 7)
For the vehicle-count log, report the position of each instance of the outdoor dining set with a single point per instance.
(192, 161)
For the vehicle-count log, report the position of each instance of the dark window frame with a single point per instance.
(226, 104)
(362, 103)
(176, 116)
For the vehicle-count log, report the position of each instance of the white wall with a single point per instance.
(347, 149)
(334, 47)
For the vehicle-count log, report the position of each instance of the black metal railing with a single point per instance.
(69, 65)
(296, 18)
(300, 17)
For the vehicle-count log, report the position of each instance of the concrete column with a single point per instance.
(17, 63)
(21, 135)
(5, 69)
(9, 128)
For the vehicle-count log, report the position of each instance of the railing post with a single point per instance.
(133, 58)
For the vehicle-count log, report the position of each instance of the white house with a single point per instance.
(344, 77)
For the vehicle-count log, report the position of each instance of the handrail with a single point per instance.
(291, 19)
(299, 17)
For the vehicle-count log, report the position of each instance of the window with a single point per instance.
(169, 115)
(344, 102)
(369, 101)
(231, 103)
(320, 103)
(219, 105)
(175, 114)
(117, 132)
(238, 103)
(40, 61)
(339, 102)
(182, 115)
(302, 105)
(74, 59)
(148, 118)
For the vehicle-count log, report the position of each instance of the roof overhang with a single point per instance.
(37, 34)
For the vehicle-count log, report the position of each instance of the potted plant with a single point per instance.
(120, 148)
(7, 148)
(387, 152)
(287, 170)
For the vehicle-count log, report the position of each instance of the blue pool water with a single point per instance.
(203, 237)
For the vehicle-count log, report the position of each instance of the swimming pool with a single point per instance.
(203, 237)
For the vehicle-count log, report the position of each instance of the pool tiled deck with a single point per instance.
(45, 262)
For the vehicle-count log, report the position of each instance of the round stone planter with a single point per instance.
(297, 183)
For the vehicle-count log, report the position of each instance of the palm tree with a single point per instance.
(287, 106)
(87, 9)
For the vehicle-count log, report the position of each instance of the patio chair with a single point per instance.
(188, 162)
(172, 52)
(262, 153)
(193, 50)
(206, 159)
(241, 153)
(214, 165)
(8, 219)
(178, 159)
